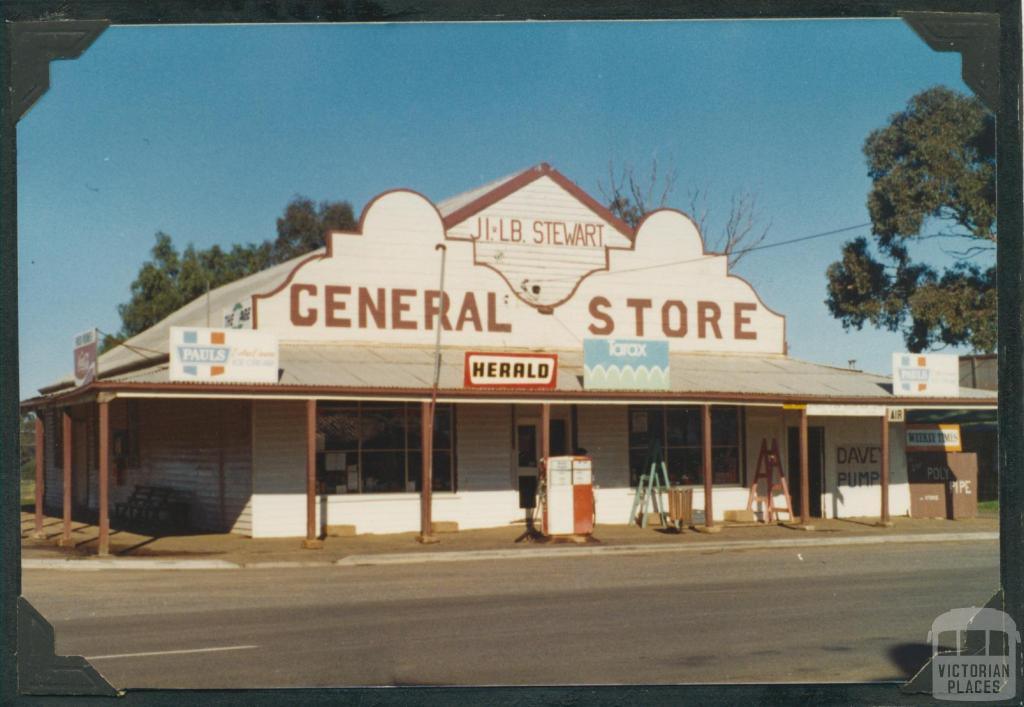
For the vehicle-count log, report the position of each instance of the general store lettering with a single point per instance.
(674, 320)
(343, 306)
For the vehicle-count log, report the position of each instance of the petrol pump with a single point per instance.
(567, 495)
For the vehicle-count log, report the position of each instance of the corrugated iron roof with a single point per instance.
(152, 343)
(454, 203)
(412, 368)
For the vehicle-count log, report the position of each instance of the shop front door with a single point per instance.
(528, 451)
(815, 467)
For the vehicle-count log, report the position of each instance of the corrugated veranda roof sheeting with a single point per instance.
(412, 368)
(206, 310)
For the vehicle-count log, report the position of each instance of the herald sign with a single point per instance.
(511, 370)
(222, 355)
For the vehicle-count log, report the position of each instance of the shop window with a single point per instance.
(376, 448)
(678, 430)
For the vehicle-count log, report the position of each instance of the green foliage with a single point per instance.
(933, 177)
(171, 279)
(27, 446)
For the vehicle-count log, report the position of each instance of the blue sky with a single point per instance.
(207, 132)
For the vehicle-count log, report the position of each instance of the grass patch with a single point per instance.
(988, 506)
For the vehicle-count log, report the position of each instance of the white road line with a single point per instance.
(179, 652)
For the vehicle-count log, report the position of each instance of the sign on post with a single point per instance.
(223, 355)
(239, 315)
(625, 364)
(85, 354)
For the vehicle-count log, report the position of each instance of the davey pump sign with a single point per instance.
(230, 356)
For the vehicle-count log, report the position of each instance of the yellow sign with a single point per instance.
(933, 438)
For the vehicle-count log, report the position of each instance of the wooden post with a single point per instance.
(65, 538)
(312, 542)
(805, 470)
(885, 470)
(545, 430)
(104, 441)
(426, 535)
(709, 516)
(40, 448)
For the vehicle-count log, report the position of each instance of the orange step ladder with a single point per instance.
(768, 464)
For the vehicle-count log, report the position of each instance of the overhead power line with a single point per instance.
(763, 246)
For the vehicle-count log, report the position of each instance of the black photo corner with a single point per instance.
(987, 36)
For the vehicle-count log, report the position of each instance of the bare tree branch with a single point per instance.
(630, 197)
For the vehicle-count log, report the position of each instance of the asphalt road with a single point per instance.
(818, 614)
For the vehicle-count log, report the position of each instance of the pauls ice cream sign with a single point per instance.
(925, 374)
(532, 261)
(230, 356)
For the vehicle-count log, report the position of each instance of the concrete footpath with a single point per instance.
(140, 551)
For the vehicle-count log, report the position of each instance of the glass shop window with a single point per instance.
(377, 448)
(677, 430)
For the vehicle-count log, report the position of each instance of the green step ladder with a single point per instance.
(650, 488)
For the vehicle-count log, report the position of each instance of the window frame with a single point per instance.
(664, 408)
(409, 412)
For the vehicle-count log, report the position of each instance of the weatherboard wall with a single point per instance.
(486, 494)
(53, 481)
(201, 448)
(853, 467)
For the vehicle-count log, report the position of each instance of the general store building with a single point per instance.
(532, 265)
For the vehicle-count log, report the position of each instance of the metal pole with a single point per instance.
(65, 538)
(545, 430)
(39, 477)
(437, 336)
(709, 516)
(805, 470)
(885, 470)
(426, 476)
(427, 423)
(311, 542)
(104, 542)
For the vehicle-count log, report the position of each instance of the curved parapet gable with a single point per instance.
(535, 267)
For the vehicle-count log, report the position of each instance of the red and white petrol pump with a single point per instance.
(567, 495)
